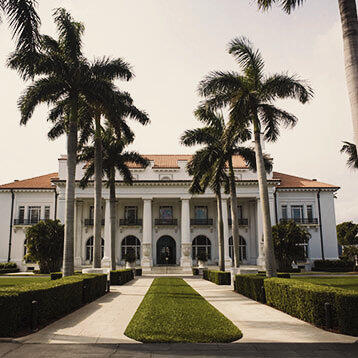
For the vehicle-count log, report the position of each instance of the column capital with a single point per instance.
(145, 197)
(225, 197)
(185, 197)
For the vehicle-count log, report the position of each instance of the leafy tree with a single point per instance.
(347, 233)
(44, 242)
(250, 98)
(114, 157)
(24, 22)
(288, 240)
(349, 21)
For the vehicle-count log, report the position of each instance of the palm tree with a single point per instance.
(114, 158)
(249, 97)
(209, 165)
(24, 22)
(351, 150)
(64, 78)
(349, 21)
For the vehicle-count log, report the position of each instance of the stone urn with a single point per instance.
(201, 264)
(130, 265)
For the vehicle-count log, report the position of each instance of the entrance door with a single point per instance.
(166, 251)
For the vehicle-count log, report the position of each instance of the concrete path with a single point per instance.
(261, 323)
(101, 321)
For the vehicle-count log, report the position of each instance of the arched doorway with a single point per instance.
(242, 248)
(89, 249)
(166, 251)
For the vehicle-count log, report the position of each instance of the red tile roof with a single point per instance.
(40, 182)
(290, 181)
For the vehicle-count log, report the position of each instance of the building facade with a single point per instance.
(161, 222)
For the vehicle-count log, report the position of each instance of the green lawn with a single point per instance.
(16, 281)
(350, 283)
(172, 311)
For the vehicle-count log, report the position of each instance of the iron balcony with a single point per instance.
(303, 221)
(26, 221)
(90, 222)
(170, 222)
(242, 222)
(130, 222)
(207, 222)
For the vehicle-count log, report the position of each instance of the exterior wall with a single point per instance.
(5, 213)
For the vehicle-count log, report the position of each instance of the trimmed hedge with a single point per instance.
(55, 299)
(55, 275)
(120, 277)
(279, 274)
(195, 271)
(218, 277)
(8, 267)
(251, 285)
(306, 301)
(206, 274)
(333, 265)
(138, 272)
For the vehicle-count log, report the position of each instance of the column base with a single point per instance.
(186, 262)
(228, 263)
(260, 261)
(147, 260)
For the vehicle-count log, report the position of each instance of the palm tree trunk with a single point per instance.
(234, 214)
(97, 254)
(267, 229)
(112, 208)
(68, 251)
(220, 233)
(348, 11)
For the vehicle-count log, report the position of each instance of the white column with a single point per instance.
(106, 261)
(147, 260)
(78, 236)
(227, 233)
(185, 259)
(260, 239)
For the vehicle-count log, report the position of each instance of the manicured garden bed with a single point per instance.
(172, 311)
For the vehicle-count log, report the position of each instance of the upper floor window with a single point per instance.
(309, 212)
(239, 212)
(131, 213)
(92, 212)
(47, 213)
(34, 214)
(284, 212)
(201, 212)
(166, 212)
(297, 212)
(21, 215)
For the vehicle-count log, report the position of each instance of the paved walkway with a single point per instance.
(261, 323)
(101, 321)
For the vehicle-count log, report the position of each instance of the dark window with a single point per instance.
(130, 244)
(21, 214)
(89, 249)
(201, 212)
(284, 212)
(47, 212)
(34, 214)
(242, 248)
(131, 214)
(297, 212)
(309, 212)
(201, 244)
(166, 212)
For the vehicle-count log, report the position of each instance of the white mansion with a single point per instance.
(161, 221)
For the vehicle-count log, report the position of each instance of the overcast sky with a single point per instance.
(172, 45)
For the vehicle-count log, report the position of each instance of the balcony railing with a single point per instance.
(303, 221)
(242, 222)
(206, 222)
(130, 222)
(90, 222)
(26, 221)
(172, 222)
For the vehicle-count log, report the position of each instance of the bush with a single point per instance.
(120, 277)
(251, 286)
(306, 301)
(218, 277)
(8, 267)
(333, 265)
(56, 275)
(55, 299)
(195, 271)
(279, 274)
(138, 272)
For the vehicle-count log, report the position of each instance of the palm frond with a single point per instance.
(111, 69)
(351, 150)
(57, 130)
(287, 5)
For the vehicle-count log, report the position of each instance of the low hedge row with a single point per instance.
(138, 272)
(218, 277)
(333, 265)
(195, 271)
(8, 267)
(120, 277)
(306, 301)
(54, 300)
(55, 275)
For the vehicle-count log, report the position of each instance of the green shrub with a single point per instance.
(279, 274)
(55, 299)
(8, 267)
(195, 271)
(56, 275)
(333, 265)
(138, 272)
(251, 286)
(306, 301)
(220, 277)
(120, 277)
(205, 274)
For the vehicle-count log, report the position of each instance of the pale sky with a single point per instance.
(172, 45)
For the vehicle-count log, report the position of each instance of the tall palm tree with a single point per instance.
(209, 166)
(24, 22)
(249, 97)
(351, 150)
(114, 158)
(349, 21)
(62, 76)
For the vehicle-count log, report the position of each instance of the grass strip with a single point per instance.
(348, 283)
(172, 311)
(20, 281)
